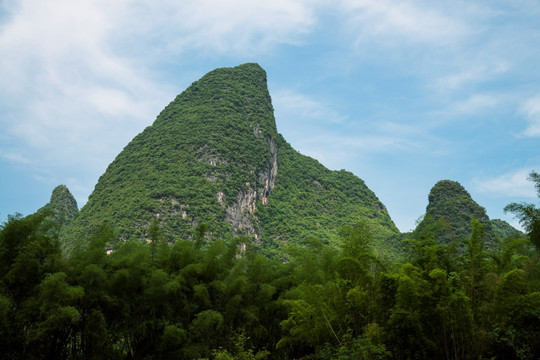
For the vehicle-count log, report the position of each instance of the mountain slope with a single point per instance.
(214, 156)
(309, 200)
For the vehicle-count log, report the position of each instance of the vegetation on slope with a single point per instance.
(213, 156)
(212, 138)
(501, 229)
(454, 206)
(310, 201)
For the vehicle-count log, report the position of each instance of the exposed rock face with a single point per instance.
(240, 214)
(268, 178)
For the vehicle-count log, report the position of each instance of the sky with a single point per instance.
(401, 93)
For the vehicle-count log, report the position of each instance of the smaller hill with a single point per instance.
(63, 206)
(450, 202)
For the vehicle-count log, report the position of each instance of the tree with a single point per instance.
(528, 214)
(475, 259)
(154, 233)
(241, 351)
(52, 329)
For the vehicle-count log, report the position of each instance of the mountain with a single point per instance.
(213, 156)
(62, 205)
(450, 202)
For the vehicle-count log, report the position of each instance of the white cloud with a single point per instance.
(238, 27)
(508, 185)
(15, 157)
(77, 78)
(397, 21)
(469, 72)
(302, 108)
(474, 103)
(531, 109)
(62, 75)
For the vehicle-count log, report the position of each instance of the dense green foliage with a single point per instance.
(221, 300)
(214, 156)
(311, 201)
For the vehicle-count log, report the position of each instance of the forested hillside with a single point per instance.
(213, 156)
(221, 300)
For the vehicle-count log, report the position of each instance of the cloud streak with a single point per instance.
(317, 128)
(507, 185)
(396, 22)
(240, 26)
(531, 110)
(79, 81)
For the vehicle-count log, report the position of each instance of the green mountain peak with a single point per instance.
(451, 202)
(213, 156)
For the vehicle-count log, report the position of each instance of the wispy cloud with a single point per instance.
(240, 26)
(78, 79)
(507, 185)
(15, 157)
(317, 128)
(469, 73)
(304, 108)
(395, 22)
(531, 109)
(474, 103)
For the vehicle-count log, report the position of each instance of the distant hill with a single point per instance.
(450, 202)
(213, 156)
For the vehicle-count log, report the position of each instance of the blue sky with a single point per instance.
(401, 93)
